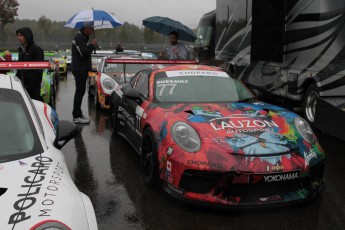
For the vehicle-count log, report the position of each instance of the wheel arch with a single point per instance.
(306, 83)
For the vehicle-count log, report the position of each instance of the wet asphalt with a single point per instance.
(106, 168)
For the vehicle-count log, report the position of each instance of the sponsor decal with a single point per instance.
(139, 111)
(309, 155)
(242, 124)
(172, 82)
(275, 168)
(169, 177)
(196, 73)
(22, 163)
(51, 190)
(2, 191)
(168, 166)
(170, 151)
(270, 198)
(33, 186)
(127, 115)
(204, 163)
(177, 190)
(277, 177)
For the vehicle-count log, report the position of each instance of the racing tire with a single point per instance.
(149, 159)
(96, 99)
(309, 103)
(113, 117)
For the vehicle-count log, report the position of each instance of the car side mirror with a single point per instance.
(133, 94)
(66, 131)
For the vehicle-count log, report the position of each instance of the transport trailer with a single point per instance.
(329, 116)
(287, 50)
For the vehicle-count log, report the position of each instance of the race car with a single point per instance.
(206, 139)
(50, 80)
(36, 190)
(62, 63)
(110, 69)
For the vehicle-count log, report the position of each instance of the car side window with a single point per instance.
(134, 80)
(142, 84)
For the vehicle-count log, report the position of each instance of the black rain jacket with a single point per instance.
(31, 78)
(81, 53)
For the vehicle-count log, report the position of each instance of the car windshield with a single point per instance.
(18, 138)
(198, 86)
(118, 69)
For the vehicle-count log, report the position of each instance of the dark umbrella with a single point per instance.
(164, 25)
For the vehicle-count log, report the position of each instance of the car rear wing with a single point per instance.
(150, 61)
(24, 65)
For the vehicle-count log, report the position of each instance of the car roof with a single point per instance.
(11, 82)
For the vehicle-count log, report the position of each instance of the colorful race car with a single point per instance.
(111, 69)
(36, 190)
(61, 62)
(203, 136)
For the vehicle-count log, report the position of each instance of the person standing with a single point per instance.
(29, 51)
(80, 66)
(177, 51)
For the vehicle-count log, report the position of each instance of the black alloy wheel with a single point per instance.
(149, 159)
(309, 102)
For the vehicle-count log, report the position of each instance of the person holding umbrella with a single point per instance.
(81, 65)
(177, 51)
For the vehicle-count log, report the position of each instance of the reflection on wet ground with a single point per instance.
(106, 168)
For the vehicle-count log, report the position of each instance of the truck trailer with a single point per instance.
(288, 50)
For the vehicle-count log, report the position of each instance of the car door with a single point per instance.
(132, 109)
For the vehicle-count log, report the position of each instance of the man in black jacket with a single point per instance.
(81, 65)
(29, 51)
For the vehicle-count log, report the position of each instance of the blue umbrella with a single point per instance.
(100, 18)
(164, 25)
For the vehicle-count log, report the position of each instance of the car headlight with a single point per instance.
(304, 129)
(108, 84)
(50, 225)
(186, 136)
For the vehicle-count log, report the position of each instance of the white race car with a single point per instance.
(36, 190)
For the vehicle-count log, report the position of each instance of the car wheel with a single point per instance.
(113, 117)
(149, 161)
(309, 103)
(96, 99)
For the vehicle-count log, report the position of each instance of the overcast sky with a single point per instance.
(132, 11)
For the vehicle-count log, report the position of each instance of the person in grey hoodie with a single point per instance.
(29, 51)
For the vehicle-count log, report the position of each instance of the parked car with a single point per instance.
(203, 136)
(67, 55)
(62, 62)
(49, 82)
(36, 189)
(102, 83)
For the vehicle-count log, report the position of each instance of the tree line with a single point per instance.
(48, 32)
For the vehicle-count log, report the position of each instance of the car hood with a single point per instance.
(242, 128)
(36, 189)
